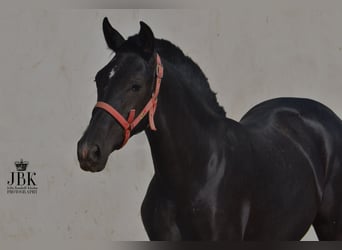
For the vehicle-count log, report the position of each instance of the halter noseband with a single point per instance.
(131, 122)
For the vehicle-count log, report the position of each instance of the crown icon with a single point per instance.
(21, 165)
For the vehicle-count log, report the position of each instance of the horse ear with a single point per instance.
(146, 38)
(113, 38)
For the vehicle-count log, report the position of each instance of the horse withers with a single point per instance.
(268, 177)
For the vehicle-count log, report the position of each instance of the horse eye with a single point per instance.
(136, 87)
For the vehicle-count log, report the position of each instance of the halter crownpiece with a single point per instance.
(131, 122)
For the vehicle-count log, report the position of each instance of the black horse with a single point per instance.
(268, 177)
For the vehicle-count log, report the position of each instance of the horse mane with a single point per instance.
(195, 78)
(190, 70)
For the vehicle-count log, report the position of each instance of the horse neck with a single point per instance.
(187, 133)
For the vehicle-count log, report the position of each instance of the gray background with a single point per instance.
(250, 53)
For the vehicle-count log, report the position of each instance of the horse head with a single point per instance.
(126, 92)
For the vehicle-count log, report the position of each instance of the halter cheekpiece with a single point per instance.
(150, 108)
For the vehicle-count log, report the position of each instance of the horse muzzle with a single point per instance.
(90, 157)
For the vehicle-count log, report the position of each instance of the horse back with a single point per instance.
(311, 128)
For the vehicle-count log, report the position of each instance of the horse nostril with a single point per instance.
(94, 153)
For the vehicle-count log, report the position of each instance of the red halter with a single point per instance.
(129, 124)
